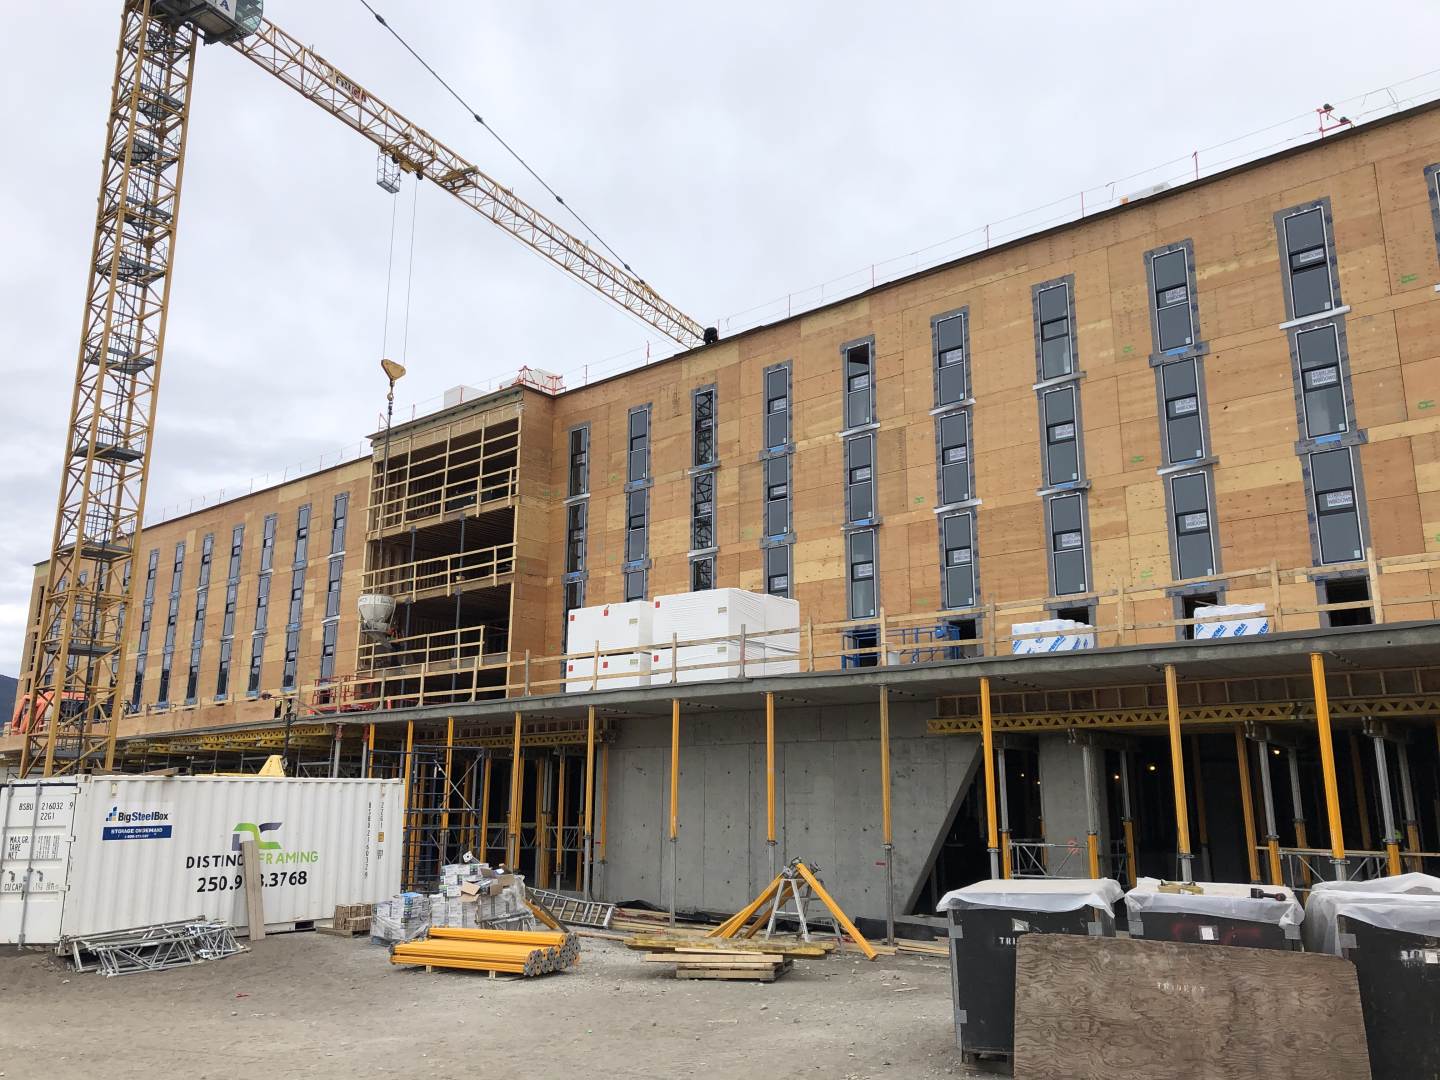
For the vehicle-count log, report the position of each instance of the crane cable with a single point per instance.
(508, 148)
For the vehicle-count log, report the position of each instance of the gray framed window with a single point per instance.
(1337, 506)
(197, 629)
(575, 515)
(777, 496)
(1170, 300)
(1054, 330)
(1310, 284)
(292, 659)
(340, 514)
(702, 574)
(222, 673)
(334, 576)
(703, 423)
(860, 478)
(237, 549)
(257, 655)
(1322, 382)
(637, 513)
(950, 334)
(574, 594)
(167, 656)
(957, 565)
(860, 560)
(147, 611)
(777, 570)
(1068, 558)
(777, 406)
(637, 455)
(1184, 428)
(207, 556)
(634, 585)
(1194, 538)
(579, 471)
(952, 436)
(262, 603)
(327, 651)
(302, 534)
(858, 361)
(1062, 443)
(702, 505)
(297, 596)
(267, 543)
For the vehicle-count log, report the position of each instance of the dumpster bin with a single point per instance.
(1390, 930)
(1220, 913)
(985, 921)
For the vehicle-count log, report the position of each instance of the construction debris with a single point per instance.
(404, 917)
(158, 947)
(509, 952)
(723, 964)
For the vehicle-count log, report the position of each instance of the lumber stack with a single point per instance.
(350, 920)
(660, 943)
(510, 952)
(723, 963)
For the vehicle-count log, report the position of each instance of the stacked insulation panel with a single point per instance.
(623, 634)
(727, 621)
(1050, 635)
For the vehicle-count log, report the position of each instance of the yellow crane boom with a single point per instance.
(73, 698)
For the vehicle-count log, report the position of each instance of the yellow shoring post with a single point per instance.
(840, 916)
(731, 925)
(1177, 771)
(1247, 805)
(370, 751)
(674, 802)
(589, 797)
(1362, 795)
(1327, 765)
(1387, 808)
(405, 770)
(1202, 822)
(987, 732)
(512, 822)
(485, 808)
(1127, 820)
(445, 791)
(770, 846)
(1092, 825)
(885, 816)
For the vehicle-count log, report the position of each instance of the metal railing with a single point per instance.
(1037, 859)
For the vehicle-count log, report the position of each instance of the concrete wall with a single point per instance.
(827, 794)
(1063, 804)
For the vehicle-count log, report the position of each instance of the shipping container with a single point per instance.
(87, 856)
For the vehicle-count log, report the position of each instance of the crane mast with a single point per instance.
(74, 700)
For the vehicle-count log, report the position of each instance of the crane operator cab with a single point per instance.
(221, 21)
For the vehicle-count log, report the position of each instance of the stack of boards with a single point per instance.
(723, 964)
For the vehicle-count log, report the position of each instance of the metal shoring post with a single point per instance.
(589, 798)
(1272, 836)
(885, 819)
(987, 739)
(1327, 765)
(485, 807)
(1407, 804)
(1202, 822)
(1177, 769)
(674, 801)
(1126, 820)
(1297, 811)
(367, 753)
(512, 822)
(1092, 835)
(1387, 810)
(335, 751)
(770, 845)
(1006, 868)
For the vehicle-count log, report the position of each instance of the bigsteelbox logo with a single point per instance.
(144, 823)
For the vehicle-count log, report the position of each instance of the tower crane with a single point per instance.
(75, 696)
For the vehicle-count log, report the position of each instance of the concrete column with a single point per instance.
(1067, 807)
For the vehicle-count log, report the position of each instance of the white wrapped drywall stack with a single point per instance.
(623, 634)
(1231, 620)
(726, 620)
(1050, 635)
(782, 650)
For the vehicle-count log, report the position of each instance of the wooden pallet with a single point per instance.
(658, 943)
(713, 964)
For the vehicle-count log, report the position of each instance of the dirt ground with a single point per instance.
(312, 1005)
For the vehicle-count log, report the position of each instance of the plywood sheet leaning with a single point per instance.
(1121, 1009)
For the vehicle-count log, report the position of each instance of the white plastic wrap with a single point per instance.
(1061, 635)
(1222, 899)
(1231, 621)
(611, 627)
(1407, 902)
(1036, 894)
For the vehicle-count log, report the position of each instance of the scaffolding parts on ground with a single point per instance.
(154, 948)
(510, 952)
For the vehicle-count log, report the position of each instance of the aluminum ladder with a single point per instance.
(571, 910)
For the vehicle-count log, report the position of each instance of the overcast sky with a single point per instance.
(732, 153)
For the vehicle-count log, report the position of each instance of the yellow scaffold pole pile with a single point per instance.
(510, 952)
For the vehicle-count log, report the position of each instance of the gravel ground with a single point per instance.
(318, 1006)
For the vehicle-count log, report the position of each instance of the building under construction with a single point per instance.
(1218, 395)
